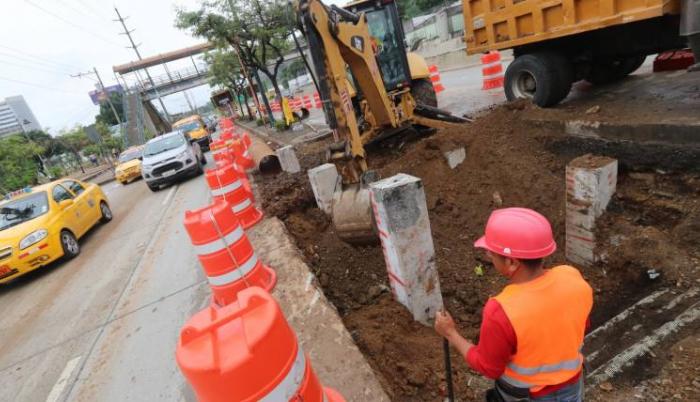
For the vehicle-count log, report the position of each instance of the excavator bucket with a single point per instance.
(352, 215)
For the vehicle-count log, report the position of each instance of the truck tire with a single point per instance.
(424, 93)
(545, 78)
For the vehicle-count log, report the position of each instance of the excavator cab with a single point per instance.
(388, 39)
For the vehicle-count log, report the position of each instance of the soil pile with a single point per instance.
(508, 163)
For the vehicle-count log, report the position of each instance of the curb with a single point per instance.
(261, 133)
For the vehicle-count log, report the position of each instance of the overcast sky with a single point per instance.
(43, 42)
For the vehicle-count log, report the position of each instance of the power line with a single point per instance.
(15, 63)
(42, 59)
(76, 9)
(94, 11)
(40, 86)
(58, 17)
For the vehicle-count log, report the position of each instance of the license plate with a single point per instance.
(168, 173)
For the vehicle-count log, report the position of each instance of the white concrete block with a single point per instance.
(288, 159)
(455, 157)
(402, 220)
(590, 184)
(324, 181)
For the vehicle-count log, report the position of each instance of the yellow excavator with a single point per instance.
(371, 89)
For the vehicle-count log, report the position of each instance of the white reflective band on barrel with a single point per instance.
(235, 274)
(289, 386)
(220, 244)
(240, 207)
(218, 151)
(246, 154)
(226, 189)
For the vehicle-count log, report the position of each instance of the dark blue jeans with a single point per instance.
(570, 393)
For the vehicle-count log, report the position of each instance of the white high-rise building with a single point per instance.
(16, 116)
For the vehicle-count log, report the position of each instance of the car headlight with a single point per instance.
(184, 155)
(33, 238)
(146, 168)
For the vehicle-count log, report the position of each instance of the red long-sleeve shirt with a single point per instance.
(497, 343)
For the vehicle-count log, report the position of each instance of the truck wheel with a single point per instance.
(545, 78)
(424, 93)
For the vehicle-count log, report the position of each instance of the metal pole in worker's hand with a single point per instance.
(448, 370)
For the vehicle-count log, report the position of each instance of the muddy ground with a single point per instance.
(653, 223)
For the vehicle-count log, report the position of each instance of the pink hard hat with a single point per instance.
(518, 233)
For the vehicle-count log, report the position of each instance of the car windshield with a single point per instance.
(186, 128)
(127, 156)
(164, 144)
(23, 209)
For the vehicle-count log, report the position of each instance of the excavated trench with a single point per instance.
(647, 235)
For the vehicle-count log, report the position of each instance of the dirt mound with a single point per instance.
(507, 163)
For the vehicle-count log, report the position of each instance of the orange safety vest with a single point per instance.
(549, 317)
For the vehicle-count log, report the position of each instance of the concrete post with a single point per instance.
(402, 220)
(288, 159)
(590, 183)
(324, 180)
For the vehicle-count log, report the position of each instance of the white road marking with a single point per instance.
(60, 385)
(170, 195)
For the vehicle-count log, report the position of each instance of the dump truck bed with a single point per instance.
(502, 24)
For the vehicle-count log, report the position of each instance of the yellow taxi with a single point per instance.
(42, 224)
(194, 127)
(129, 165)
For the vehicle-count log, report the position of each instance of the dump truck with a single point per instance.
(558, 42)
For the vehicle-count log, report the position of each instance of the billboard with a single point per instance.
(98, 96)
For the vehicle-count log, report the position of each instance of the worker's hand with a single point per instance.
(444, 324)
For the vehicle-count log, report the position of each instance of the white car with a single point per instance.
(171, 157)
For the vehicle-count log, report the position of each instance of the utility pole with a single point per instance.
(103, 90)
(134, 46)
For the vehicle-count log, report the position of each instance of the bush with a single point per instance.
(281, 125)
(259, 122)
(56, 172)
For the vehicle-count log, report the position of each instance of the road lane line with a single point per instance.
(60, 385)
(127, 283)
(170, 195)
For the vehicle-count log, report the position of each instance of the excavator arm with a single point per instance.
(340, 42)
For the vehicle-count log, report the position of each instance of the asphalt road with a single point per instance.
(104, 326)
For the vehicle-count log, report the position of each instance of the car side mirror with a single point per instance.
(141, 158)
(65, 204)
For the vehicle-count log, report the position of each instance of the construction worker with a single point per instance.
(532, 332)
(690, 27)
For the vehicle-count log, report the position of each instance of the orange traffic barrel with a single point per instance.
(225, 252)
(435, 78)
(225, 122)
(225, 183)
(492, 70)
(240, 150)
(247, 351)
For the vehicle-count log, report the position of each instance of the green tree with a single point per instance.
(16, 169)
(260, 29)
(106, 116)
(226, 71)
(75, 140)
(413, 8)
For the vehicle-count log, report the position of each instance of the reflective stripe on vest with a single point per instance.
(572, 364)
(226, 189)
(289, 386)
(220, 244)
(236, 274)
(240, 207)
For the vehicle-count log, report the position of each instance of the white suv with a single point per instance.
(170, 157)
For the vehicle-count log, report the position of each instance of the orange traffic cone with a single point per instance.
(247, 352)
(435, 79)
(227, 184)
(225, 252)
